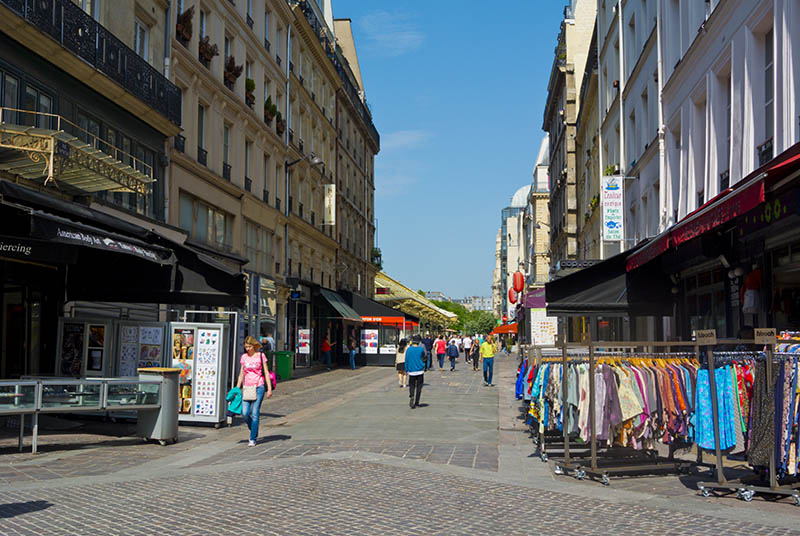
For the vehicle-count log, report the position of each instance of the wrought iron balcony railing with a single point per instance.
(226, 171)
(267, 44)
(202, 156)
(180, 143)
(79, 33)
(265, 196)
(248, 184)
(764, 152)
(250, 21)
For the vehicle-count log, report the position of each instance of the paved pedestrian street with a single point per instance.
(344, 454)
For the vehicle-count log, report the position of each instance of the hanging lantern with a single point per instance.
(519, 281)
(512, 296)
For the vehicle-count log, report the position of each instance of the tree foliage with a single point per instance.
(468, 321)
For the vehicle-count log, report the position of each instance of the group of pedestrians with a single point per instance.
(415, 359)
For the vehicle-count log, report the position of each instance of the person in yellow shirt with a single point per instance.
(487, 356)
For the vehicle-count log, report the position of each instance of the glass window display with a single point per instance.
(17, 397)
(58, 395)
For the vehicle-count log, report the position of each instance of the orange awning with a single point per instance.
(508, 328)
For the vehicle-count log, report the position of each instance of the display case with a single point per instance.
(84, 347)
(69, 395)
(17, 397)
(139, 345)
(127, 394)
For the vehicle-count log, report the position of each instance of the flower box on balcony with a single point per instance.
(232, 72)
(280, 125)
(249, 92)
(207, 51)
(183, 26)
(270, 110)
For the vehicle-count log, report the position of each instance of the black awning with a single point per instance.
(202, 280)
(606, 288)
(367, 307)
(339, 306)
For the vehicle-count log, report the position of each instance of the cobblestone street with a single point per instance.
(344, 454)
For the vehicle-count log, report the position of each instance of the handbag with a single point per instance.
(268, 373)
(249, 392)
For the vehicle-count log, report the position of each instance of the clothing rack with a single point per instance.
(744, 488)
(617, 460)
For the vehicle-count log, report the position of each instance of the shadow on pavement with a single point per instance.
(16, 509)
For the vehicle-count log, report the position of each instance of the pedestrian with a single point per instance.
(466, 342)
(400, 364)
(253, 381)
(475, 355)
(415, 368)
(326, 351)
(440, 347)
(487, 355)
(452, 353)
(352, 347)
(427, 342)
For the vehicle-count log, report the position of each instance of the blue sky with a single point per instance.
(457, 92)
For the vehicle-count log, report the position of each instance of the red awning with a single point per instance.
(508, 328)
(392, 320)
(656, 247)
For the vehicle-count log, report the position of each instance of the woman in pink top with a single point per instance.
(440, 347)
(253, 367)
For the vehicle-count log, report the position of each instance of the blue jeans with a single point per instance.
(488, 369)
(452, 363)
(327, 357)
(353, 359)
(441, 360)
(429, 360)
(251, 410)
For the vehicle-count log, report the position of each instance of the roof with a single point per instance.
(406, 299)
(520, 198)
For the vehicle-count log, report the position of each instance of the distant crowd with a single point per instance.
(422, 354)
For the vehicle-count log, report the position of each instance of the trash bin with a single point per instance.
(284, 361)
(160, 424)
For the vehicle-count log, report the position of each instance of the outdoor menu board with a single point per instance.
(72, 339)
(369, 341)
(140, 347)
(207, 355)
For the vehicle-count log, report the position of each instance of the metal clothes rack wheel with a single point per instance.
(743, 488)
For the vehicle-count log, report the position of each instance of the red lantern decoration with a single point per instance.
(519, 281)
(512, 296)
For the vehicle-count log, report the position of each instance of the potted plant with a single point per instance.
(232, 71)
(280, 124)
(183, 26)
(270, 110)
(249, 91)
(207, 51)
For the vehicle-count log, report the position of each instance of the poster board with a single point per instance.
(304, 341)
(140, 345)
(369, 341)
(84, 347)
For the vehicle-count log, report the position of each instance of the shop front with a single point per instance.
(339, 322)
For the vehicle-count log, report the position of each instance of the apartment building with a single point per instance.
(536, 223)
(276, 150)
(561, 108)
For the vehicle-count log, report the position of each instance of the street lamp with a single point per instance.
(313, 160)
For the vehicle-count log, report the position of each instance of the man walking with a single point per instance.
(415, 368)
(427, 342)
(466, 342)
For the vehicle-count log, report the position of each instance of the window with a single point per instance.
(38, 101)
(250, 7)
(227, 48)
(258, 247)
(205, 223)
(768, 86)
(9, 96)
(248, 145)
(226, 144)
(141, 39)
(266, 25)
(266, 180)
(278, 42)
(91, 7)
(201, 126)
(202, 23)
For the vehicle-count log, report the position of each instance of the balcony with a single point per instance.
(248, 184)
(265, 196)
(724, 180)
(226, 171)
(278, 59)
(202, 156)
(180, 143)
(313, 218)
(313, 96)
(302, 80)
(250, 21)
(300, 145)
(300, 209)
(291, 136)
(267, 44)
(291, 203)
(278, 203)
(291, 66)
(79, 33)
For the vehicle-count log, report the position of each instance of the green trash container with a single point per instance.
(284, 362)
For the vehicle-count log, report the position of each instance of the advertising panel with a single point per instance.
(611, 199)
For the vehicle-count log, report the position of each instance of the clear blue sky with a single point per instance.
(457, 91)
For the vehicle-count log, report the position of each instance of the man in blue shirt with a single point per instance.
(427, 342)
(415, 368)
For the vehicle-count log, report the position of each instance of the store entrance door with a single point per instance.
(21, 332)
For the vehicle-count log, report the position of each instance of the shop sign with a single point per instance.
(612, 201)
(705, 336)
(765, 335)
(329, 212)
(35, 250)
(389, 349)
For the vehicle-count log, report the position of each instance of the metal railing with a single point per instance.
(226, 171)
(265, 196)
(47, 121)
(78, 32)
(180, 143)
(248, 184)
(202, 156)
(267, 44)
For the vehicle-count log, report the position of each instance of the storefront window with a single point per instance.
(705, 300)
